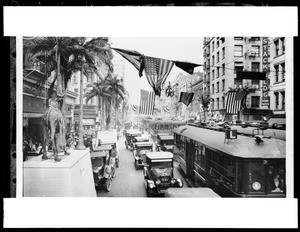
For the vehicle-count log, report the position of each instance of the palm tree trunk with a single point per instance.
(80, 145)
(116, 118)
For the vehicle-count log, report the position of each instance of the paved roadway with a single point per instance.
(129, 182)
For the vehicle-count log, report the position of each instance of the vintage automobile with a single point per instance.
(165, 143)
(158, 173)
(139, 151)
(129, 136)
(114, 153)
(140, 139)
(103, 165)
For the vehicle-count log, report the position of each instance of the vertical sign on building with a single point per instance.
(265, 66)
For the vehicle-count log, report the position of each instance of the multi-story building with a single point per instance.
(223, 58)
(277, 75)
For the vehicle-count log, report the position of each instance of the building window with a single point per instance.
(255, 38)
(223, 102)
(213, 74)
(238, 82)
(255, 51)
(238, 50)
(222, 39)
(276, 43)
(217, 87)
(255, 66)
(218, 57)
(212, 88)
(218, 103)
(276, 73)
(223, 85)
(223, 53)
(213, 103)
(74, 80)
(213, 46)
(282, 45)
(254, 101)
(283, 100)
(276, 100)
(213, 60)
(283, 71)
(238, 38)
(218, 72)
(238, 67)
(223, 69)
(218, 43)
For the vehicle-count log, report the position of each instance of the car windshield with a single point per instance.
(161, 165)
(167, 142)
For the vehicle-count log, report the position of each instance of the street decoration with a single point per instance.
(234, 101)
(156, 69)
(147, 102)
(186, 98)
(169, 91)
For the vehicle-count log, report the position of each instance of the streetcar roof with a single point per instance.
(243, 146)
(160, 155)
(191, 192)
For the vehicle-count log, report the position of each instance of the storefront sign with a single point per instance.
(265, 67)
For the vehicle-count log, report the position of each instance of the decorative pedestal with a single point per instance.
(71, 177)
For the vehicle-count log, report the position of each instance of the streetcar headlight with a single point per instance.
(157, 182)
(256, 185)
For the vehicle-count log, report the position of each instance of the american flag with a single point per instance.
(234, 102)
(147, 102)
(157, 71)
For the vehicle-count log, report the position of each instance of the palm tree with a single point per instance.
(116, 87)
(86, 55)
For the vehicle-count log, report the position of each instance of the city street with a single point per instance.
(128, 181)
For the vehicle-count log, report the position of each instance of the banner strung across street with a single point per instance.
(147, 102)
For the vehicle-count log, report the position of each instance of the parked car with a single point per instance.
(139, 151)
(129, 136)
(159, 174)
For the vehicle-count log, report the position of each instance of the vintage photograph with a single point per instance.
(155, 116)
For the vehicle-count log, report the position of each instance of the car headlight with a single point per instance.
(151, 184)
(157, 182)
(173, 181)
(180, 184)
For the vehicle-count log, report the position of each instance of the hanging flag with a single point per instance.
(157, 71)
(133, 57)
(186, 98)
(186, 66)
(234, 101)
(147, 102)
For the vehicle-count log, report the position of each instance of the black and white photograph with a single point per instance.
(179, 119)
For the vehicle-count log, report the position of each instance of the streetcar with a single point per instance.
(164, 126)
(237, 167)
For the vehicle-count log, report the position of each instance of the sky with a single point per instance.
(172, 48)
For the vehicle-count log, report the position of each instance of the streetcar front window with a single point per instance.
(256, 177)
(276, 177)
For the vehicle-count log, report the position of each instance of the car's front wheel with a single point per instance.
(136, 165)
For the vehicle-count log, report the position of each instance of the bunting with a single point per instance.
(186, 98)
(186, 66)
(157, 71)
(147, 102)
(133, 57)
